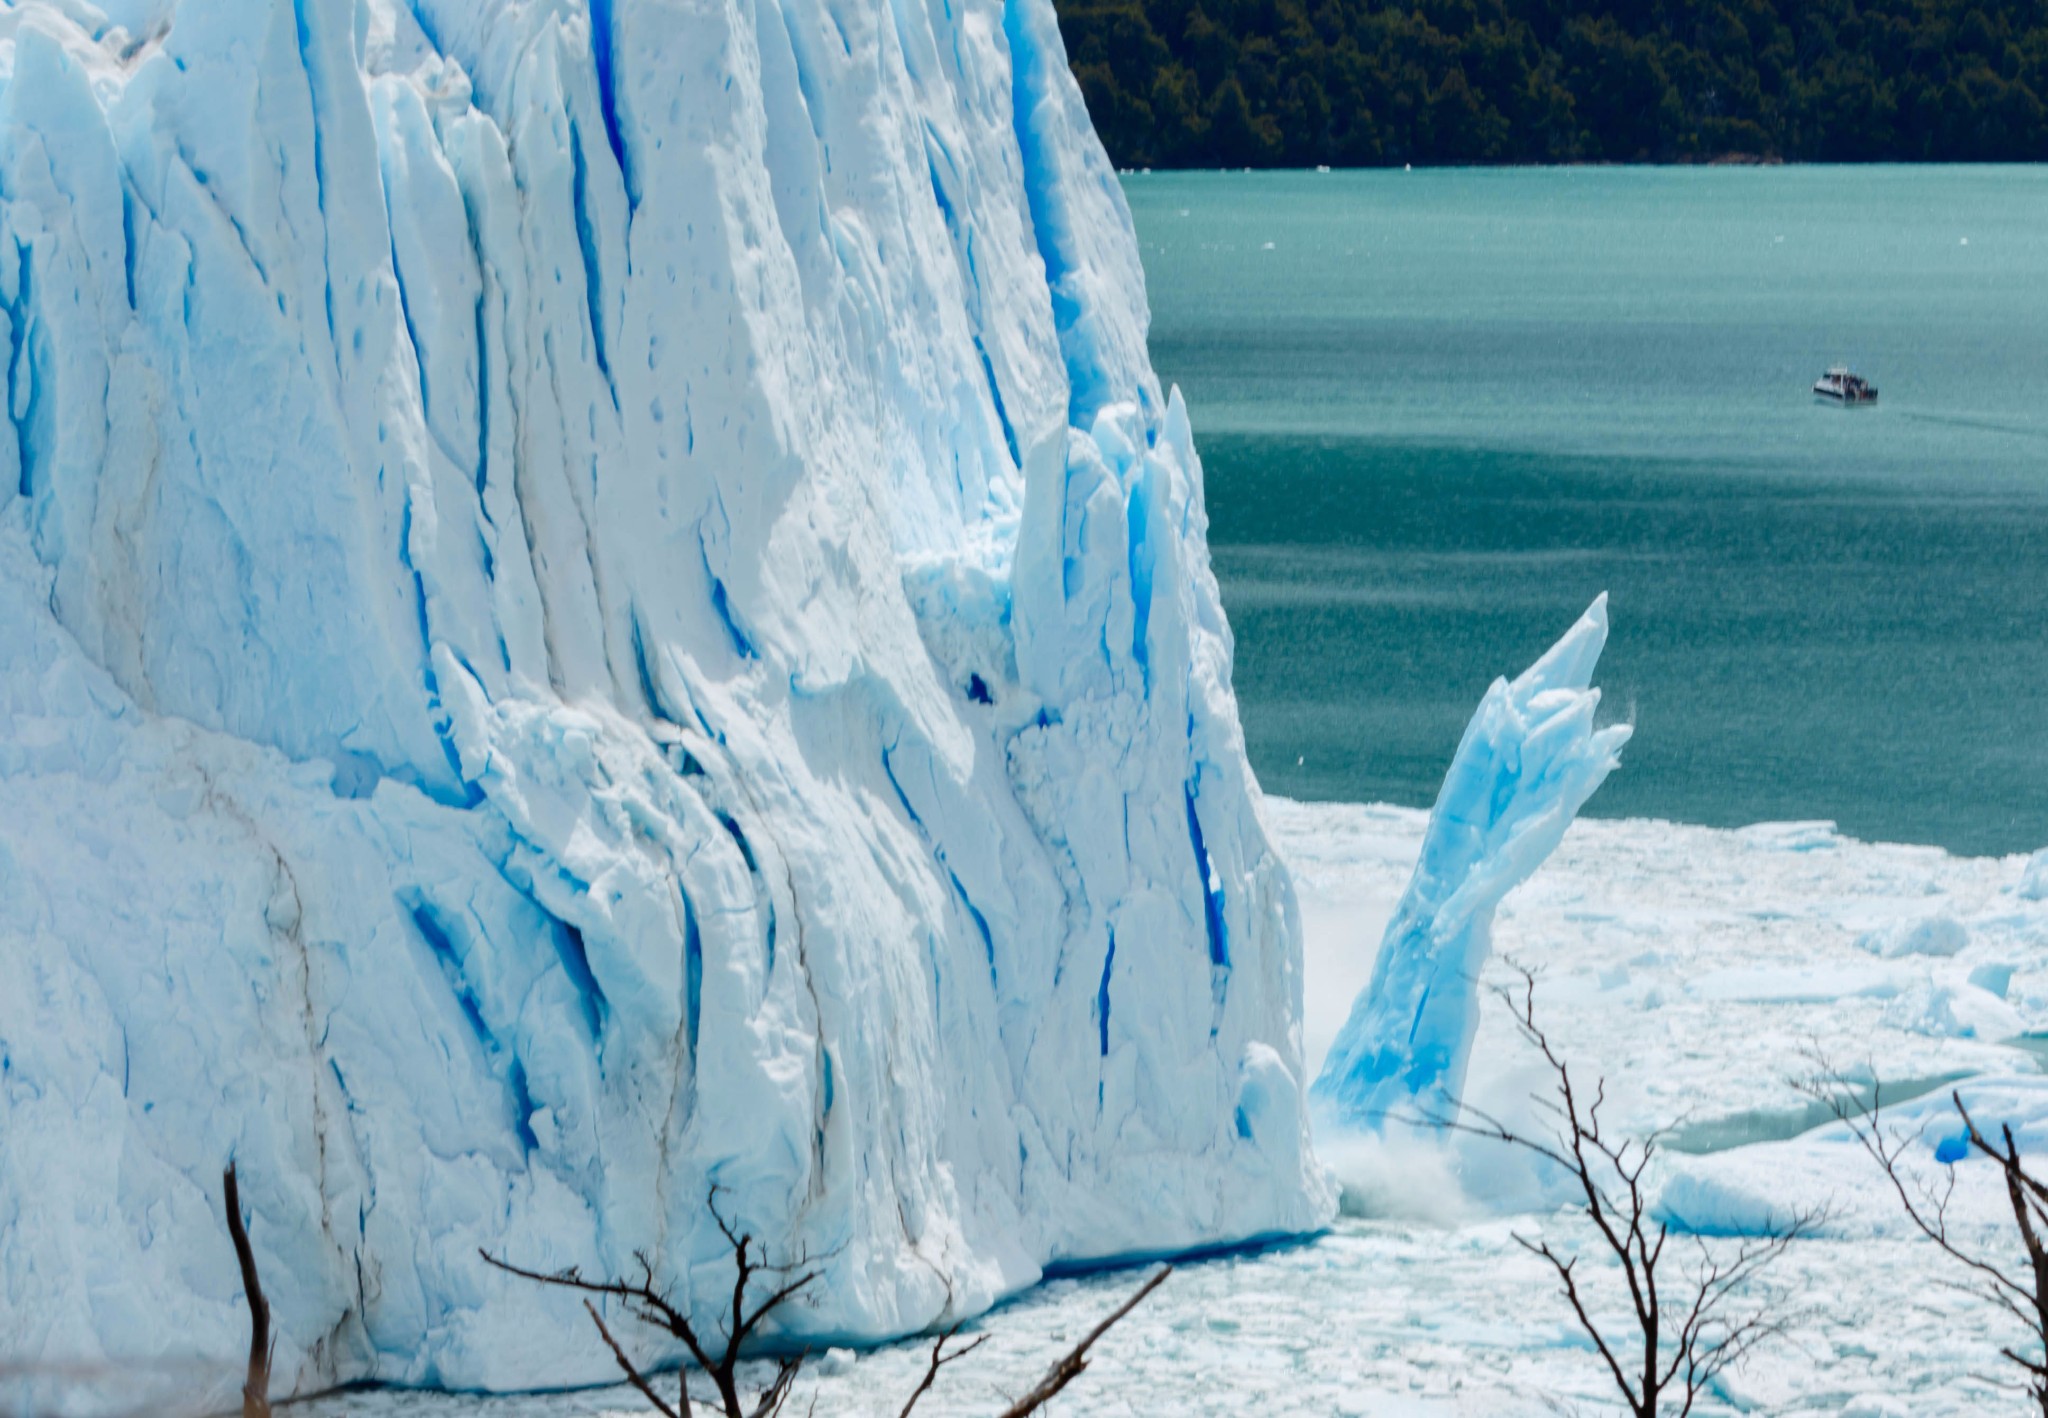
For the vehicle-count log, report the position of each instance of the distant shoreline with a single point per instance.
(1286, 83)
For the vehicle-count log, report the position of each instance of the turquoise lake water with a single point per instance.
(1439, 411)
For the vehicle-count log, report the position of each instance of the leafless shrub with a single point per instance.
(1690, 1323)
(2022, 1294)
(939, 1359)
(784, 1283)
(719, 1358)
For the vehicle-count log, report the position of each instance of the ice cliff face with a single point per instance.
(597, 602)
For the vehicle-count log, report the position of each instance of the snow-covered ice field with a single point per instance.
(1374, 1319)
(1694, 968)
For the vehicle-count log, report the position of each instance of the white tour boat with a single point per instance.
(1839, 386)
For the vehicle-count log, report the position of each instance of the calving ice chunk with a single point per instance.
(1528, 761)
(596, 603)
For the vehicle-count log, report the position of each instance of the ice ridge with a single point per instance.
(598, 601)
(1528, 761)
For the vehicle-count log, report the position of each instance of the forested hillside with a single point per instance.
(1294, 83)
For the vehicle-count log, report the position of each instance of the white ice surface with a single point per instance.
(1690, 966)
(1382, 1320)
(1694, 966)
(596, 601)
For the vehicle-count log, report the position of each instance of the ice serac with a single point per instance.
(1527, 763)
(599, 602)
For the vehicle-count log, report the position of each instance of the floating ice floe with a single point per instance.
(1940, 935)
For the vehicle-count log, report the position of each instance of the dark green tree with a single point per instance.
(1237, 83)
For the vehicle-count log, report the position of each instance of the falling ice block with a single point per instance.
(1528, 761)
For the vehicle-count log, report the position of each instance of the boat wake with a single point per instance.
(1987, 425)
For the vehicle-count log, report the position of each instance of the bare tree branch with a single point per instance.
(1076, 1359)
(940, 1358)
(644, 1301)
(633, 1375)
(777, 1392)
(2025, 1298)
(1673, 1365)
(256, 1385)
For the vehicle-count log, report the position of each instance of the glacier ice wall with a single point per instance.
(596, 601)
(1528, 761)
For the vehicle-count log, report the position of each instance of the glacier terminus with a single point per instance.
(600, 601)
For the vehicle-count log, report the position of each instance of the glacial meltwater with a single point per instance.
(1440, 410)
